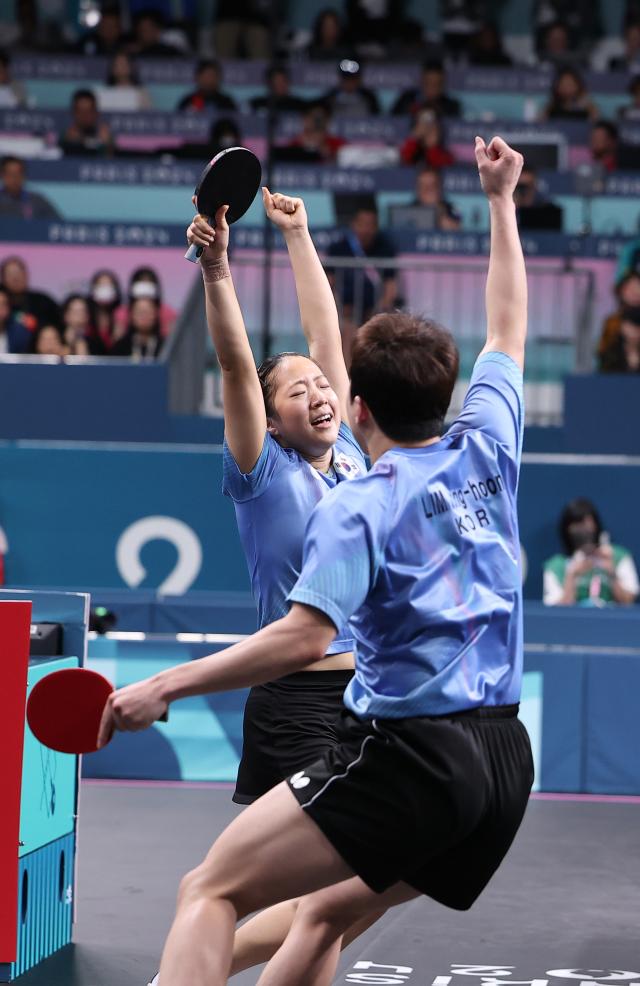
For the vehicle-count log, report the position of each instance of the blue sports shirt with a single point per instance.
(273, 504)
(422, 555)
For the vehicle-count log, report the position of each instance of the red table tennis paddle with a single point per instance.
(232, 178)
(65, 708)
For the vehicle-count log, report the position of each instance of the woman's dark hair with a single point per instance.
(575, 511)
(156, 325)
(322, 15)
(575, 75)
(405, 367)
(278, 69)
(267, 372)
(207, 63)
(33, 344)
(222, 126)
(13, 259)
(105, 272)
(437, 124)
(99, 313)
(553, 26)
(134, 76)
(3, 291)
(145, 274)
(609, 127)
(433, 65)
(69, 301)
(84, 94)
(620, 285)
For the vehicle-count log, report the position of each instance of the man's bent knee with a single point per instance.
(206, 883)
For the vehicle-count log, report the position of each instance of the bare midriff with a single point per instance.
(334, 662)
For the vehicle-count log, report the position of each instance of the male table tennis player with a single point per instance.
(429, 783)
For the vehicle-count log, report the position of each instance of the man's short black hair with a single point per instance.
(554, 25)
(365, 207)
(274, 70)
(404, 368)
(205, 63)
(432, 65)
(149, 14)
(430, 169)
(11, 159)
(84, 94)
(607, 125)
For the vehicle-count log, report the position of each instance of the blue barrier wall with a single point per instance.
(123, 403)
(87, 403)
(601, 413)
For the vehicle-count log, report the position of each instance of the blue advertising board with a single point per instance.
(103, 516)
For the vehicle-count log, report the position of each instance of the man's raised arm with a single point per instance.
(506, 292)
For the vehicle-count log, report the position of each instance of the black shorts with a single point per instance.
(288, 723)
(434, 802)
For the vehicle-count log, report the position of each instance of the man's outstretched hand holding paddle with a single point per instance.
(131, 709)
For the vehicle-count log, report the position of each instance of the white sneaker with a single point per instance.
(156, 980)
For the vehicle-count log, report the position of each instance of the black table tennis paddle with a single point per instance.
(232, 178)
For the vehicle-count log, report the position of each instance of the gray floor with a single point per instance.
(567, 898)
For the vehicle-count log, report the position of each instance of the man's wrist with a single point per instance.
(167, 685)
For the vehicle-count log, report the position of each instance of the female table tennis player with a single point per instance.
(286, 445)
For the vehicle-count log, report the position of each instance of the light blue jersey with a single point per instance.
(422, 554)
(273, 505)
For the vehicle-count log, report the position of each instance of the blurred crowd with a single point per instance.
(566, 39)
(426, 107)
(619, 345)
(106, 321)
(561, 31)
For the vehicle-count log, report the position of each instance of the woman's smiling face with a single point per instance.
(306, 409)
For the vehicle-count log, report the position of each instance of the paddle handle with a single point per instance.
(194, 252)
